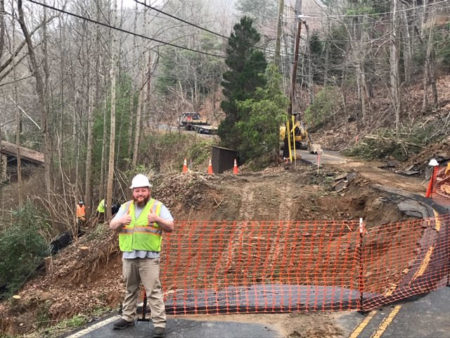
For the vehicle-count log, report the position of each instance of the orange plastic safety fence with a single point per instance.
(405, 259)
(283, 266)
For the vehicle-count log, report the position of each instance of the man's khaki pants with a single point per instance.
(147, 271)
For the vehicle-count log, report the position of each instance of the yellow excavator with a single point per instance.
(296, 138)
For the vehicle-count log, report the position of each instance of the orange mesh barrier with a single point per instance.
(283, 266)
(405, 259)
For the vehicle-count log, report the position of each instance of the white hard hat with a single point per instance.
(140, 181)
(433, 163)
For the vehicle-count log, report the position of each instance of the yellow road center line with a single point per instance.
(427, 257)
(386, 322)
(424, 264)
(363, 324)
(438, 221)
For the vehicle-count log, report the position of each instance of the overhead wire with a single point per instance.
(124, 30)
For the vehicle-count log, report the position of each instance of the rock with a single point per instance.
(340, 177)
(339, 186)
(413, 209)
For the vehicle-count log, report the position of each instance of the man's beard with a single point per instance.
(143, 203)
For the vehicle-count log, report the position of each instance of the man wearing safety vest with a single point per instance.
(81, 215)
(101, 208)
(140, 223)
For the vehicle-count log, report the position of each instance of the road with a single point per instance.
(426, 316)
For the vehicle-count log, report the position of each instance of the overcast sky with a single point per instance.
(132, 3)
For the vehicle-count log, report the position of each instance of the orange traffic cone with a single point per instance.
(210, 168)
(235, 168)
(185, 167)
(432, 184)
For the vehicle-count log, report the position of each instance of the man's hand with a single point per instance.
(152, 217)
(125, 219)
(164, 224)
(120, 222)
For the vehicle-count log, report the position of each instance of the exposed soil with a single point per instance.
(85, 277)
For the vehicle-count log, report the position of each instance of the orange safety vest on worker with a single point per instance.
(81, 212)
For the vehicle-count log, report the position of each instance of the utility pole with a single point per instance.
(289, 142)
(298, 8)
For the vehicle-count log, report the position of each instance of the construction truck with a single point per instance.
(190, 120)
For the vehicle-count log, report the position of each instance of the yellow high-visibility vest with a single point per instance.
(139, 234)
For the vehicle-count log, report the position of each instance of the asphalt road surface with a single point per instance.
(180, 328)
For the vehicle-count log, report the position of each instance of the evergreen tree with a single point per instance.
(246, 72)
(265, 113)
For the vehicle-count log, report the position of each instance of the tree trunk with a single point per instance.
(327, 56)
(148, 90)
(42, 106)
(310, 68)
(90, 125)
(46, 93)
(2, 26)
(102, 184)
(277, 59)
(19, 160)
(112, 135)
(407, 48)
(137, 127)
(133, 109)
(394, 65)
(429, 75)
(18, 120)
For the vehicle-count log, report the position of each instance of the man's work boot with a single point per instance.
(122, 324)
(159, 332)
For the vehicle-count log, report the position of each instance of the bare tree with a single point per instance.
(40, 89)
(18, 126)
(429, 78)
(2, 26)
(112, 133)
(394, 60)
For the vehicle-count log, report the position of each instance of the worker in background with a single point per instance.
(101, 211)
(81, 216)
(140, 223)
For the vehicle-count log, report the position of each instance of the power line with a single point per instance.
(182, 20)
(124, 31)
